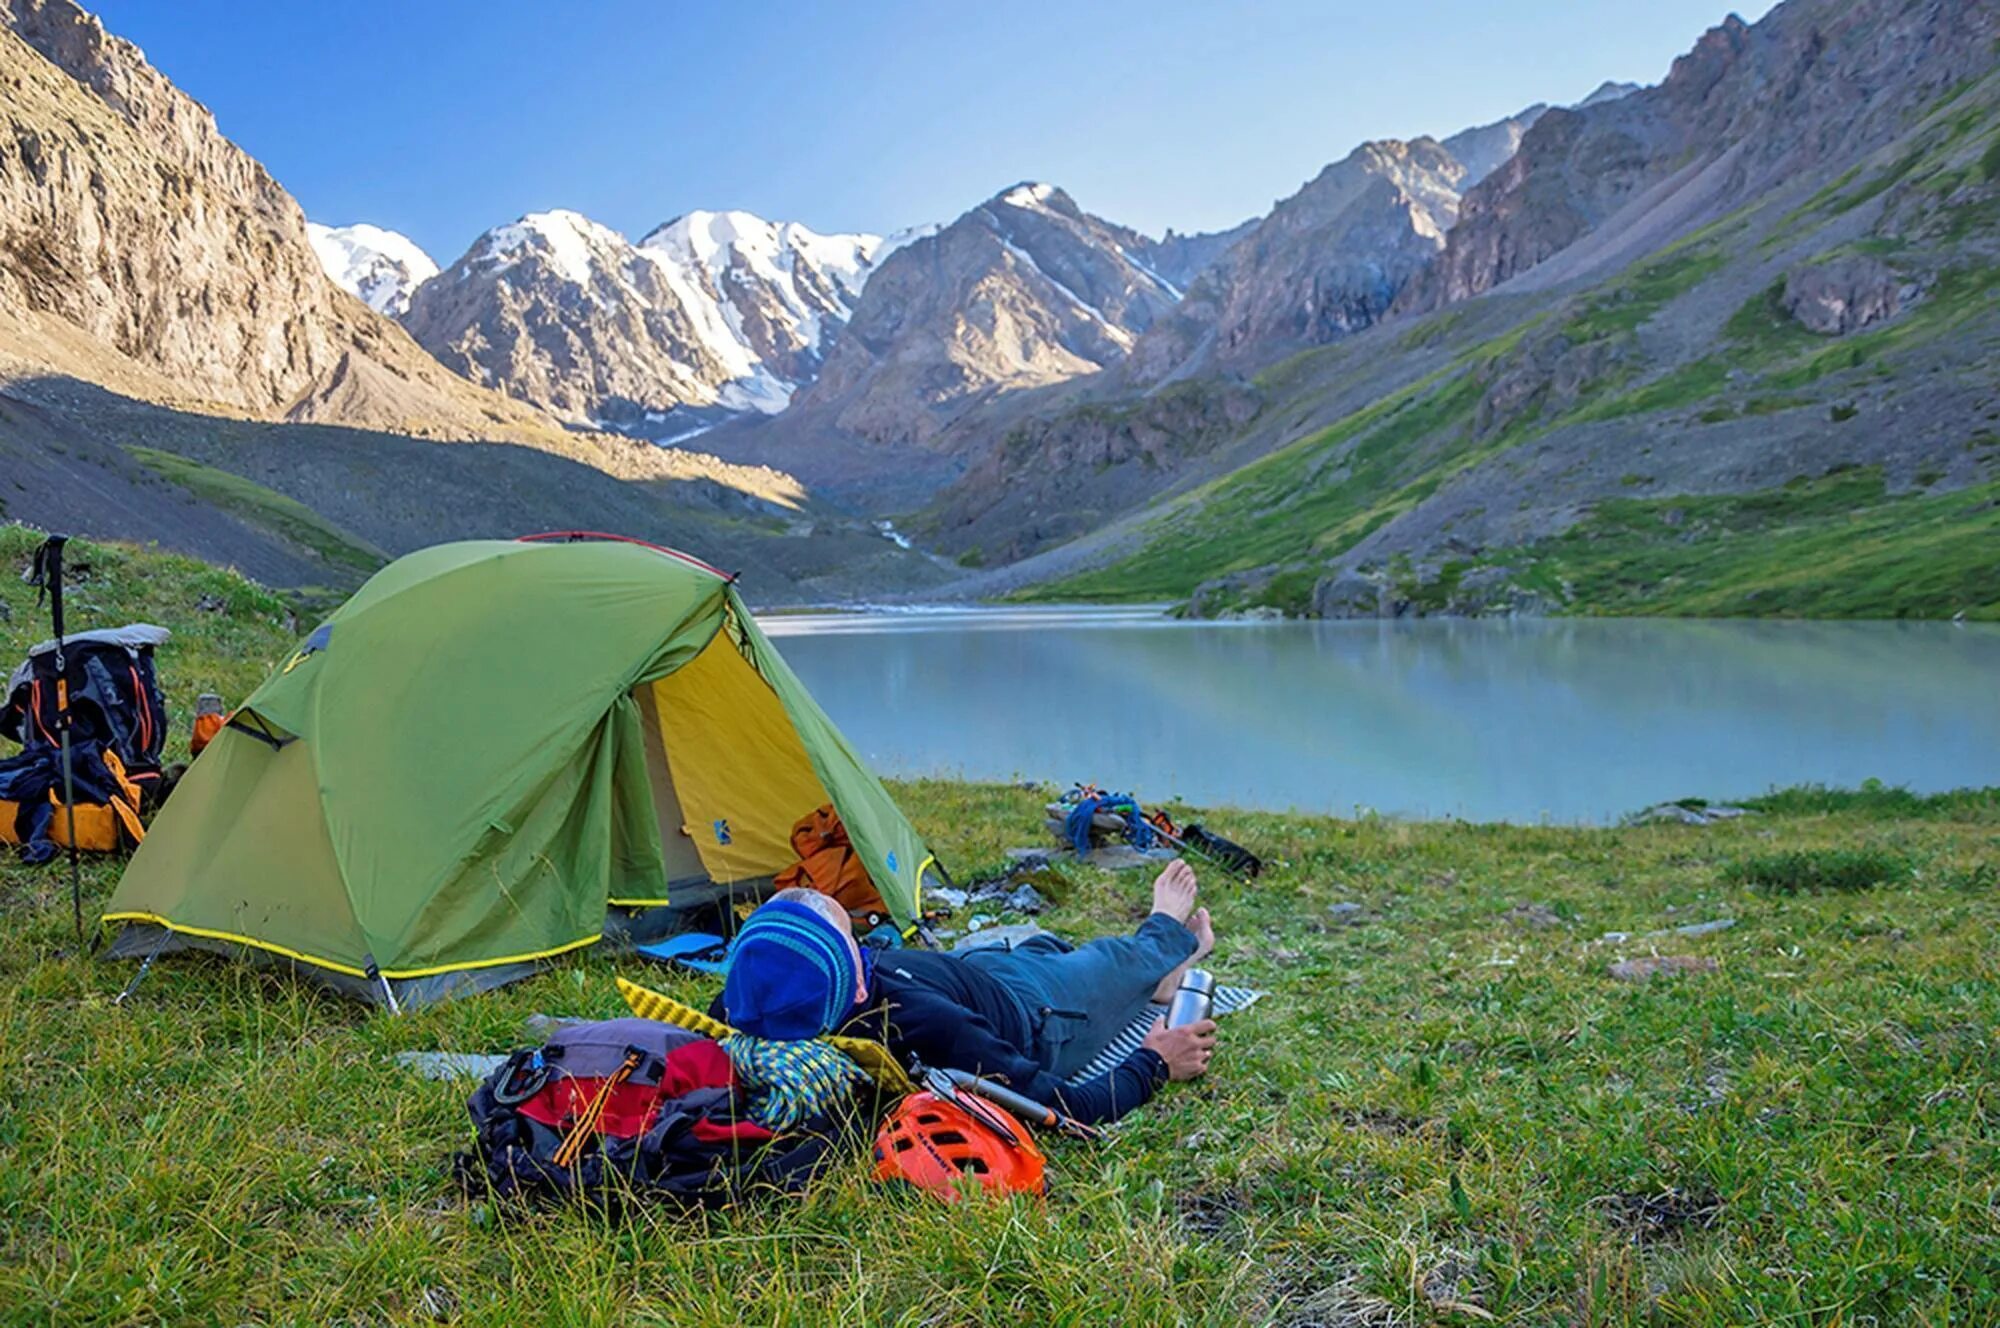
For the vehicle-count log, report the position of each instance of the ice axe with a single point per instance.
(953, 1084)
(46, 575)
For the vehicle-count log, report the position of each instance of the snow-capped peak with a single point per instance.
(574, 245)
(908, 235)
(380, 266)
(1029, 194)
(765, 296)
(769, 251)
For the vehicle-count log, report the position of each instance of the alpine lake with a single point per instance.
(1572, 721)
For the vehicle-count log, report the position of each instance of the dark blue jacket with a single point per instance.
(936, 1008)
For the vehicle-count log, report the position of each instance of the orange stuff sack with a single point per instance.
(205, 729)
(828, 863)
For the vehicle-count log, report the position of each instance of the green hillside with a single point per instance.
(1679, 388)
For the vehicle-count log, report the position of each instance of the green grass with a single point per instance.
(285, 517)
(1803, 870)
(1878, 800)
(1317, 495)
(1620, 308)
(1839, 546)
(1442, 1106)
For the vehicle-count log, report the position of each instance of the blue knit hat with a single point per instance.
(791, 974)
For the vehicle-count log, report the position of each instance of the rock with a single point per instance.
(945, 896)
(1690, 813)
(1351, 594)
(1026, 899)
(1030, 859)
(210, 604)
(1223, 596)
(1701, 928)
(1844, 294)
(1534, 916)
(1647, 967)
(1347, 913)
(1123, 857)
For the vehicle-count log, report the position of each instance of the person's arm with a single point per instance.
(1167, 1053)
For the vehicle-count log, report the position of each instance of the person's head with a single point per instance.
(795, 970)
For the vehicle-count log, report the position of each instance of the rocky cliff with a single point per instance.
(1744, 110)
(1325, 263)
(132, 230)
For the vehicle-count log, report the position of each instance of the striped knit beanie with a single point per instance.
(791, 974)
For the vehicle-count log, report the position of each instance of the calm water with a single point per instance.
(1570, 721)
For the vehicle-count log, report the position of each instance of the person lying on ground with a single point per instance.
(1030, 1016)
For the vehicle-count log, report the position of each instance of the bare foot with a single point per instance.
(1173, 892)
(1203, 928)
(1204, 942)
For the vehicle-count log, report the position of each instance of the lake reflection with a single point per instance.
(1571, 720)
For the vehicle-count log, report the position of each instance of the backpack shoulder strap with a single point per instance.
(874, 1058)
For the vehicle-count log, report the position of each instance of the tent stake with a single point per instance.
(388, 993)
(145, 967)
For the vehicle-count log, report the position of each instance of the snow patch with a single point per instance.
(574, 245)
(380, 266)
(1027, 195)
(1118, 335)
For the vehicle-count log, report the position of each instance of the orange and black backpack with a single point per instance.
(118, 729)
(828, 863)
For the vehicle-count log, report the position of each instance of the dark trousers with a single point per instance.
(1078, 998)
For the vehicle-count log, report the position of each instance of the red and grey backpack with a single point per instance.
(631, 1109)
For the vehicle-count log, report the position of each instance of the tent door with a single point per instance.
(677, 851)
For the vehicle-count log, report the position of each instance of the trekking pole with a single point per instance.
(47, 577)
(1201, 853)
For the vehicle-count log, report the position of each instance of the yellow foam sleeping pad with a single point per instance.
(873, 1058)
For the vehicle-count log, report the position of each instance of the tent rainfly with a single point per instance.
(481, 755)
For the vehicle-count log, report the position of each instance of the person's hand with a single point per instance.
(1186, 1049)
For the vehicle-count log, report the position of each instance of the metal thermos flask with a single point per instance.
(1193, 999)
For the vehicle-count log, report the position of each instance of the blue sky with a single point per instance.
(440, 118)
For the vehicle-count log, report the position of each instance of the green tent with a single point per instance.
(486, 755)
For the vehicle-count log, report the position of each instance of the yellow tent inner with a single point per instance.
(741, 776)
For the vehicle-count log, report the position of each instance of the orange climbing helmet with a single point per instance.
(932, 1141)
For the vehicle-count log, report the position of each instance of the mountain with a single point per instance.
(782, 290)
(176, 366)
(1745, 110)
(381, 267)
(1181, 258)
(1026, 288)
(1023, 291)
(711, 314)
(1326, 262)
(1484, 149)
(1718, 346)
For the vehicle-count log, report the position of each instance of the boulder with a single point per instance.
(1844, 294)
(1351, 595)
